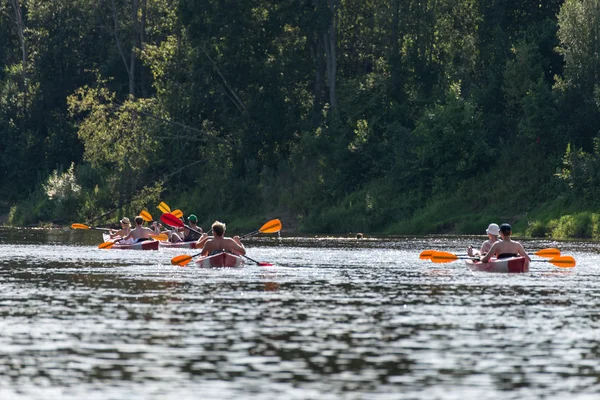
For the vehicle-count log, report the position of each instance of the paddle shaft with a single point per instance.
(262, 264)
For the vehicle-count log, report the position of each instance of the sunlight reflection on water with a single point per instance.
(334, 318)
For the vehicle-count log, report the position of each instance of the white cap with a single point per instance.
(493, 229)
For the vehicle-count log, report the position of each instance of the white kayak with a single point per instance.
(512, 265)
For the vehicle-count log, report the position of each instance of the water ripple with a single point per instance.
(334, 318)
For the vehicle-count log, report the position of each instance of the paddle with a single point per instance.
(82, 226)
(146, 216)
(270, 227)
(178, 213)
(548, 253)
(160, 236)
(444, 257)
(163, 207)
(426, 254)
(439, 257)
(260, 264)
(108, 245)
(173, 221)
(562, 261)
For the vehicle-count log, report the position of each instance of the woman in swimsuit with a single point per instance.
(492, 231)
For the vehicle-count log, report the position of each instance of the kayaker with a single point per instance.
(493, 230)
(140, 232)
(124, 231)
(220, 243)
(189, 235)
(506, 247)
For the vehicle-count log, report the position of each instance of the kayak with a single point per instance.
(144, 245)
(178, 245)
(220, 260)
(513, 265)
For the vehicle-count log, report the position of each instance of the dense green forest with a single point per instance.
(382, 116)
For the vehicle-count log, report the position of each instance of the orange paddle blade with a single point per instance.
(79, 226)
(563, 261)
(146, 215)
(272, 226)
(443, 257)
(549, 252)
(106, 245)
(426, 254)
(178, 213)
(163, 207)
(181, 260)
(160, 236)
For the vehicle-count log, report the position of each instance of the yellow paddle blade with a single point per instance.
(272, 226)
(163, 207)
(106, 245)
(181, 260)
(146, 215)
(160, 236)
(178, 213)
(79, 226)
(563, 261)
(443, 257)
(426, 254)
(549, 252)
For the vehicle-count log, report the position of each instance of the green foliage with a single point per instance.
(451, 143)
(537, 229)
(420, 117)
(581, 170)
(580, 225)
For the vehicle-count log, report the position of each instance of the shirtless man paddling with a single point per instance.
(219, 242)
(506, 247)
(140, 232)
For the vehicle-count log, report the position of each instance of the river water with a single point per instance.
(332, 319)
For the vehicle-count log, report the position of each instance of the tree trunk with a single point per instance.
(135, 38)
(395, 56)
(135, 26)
(16, 4)
(329, 42)
(144, 7)
(317, 51)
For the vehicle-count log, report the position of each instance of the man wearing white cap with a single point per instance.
(492, 231)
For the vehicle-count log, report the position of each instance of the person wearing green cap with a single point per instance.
(188, 234)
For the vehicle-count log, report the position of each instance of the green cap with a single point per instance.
(193, 218)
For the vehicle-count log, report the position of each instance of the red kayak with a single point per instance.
(511, 265)
(221, 260)
(143, 245)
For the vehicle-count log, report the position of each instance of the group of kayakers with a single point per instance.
(499, 248)
(190, 233)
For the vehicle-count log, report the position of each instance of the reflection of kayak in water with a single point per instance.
(505, 265)
(220, 260)
(143, 245)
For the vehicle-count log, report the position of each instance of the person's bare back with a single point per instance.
(221, 243)
(506, 247)
(140, 232)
